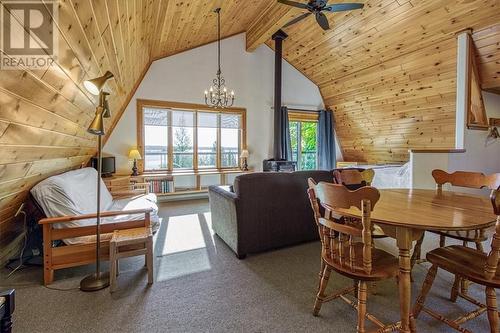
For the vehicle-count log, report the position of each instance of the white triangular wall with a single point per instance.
(185, 76)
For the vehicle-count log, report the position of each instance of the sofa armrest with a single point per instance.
(224, 218)
(222, 192)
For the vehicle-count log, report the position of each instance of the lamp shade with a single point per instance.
(97, 125)
(244, 153)
(94, 86)
(134, 155)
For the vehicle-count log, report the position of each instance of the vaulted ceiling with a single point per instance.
(388, 71)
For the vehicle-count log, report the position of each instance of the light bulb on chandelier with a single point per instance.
(217, 96)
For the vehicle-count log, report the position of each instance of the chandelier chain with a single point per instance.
(217, 96)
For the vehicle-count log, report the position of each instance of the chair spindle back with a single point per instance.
(354, 178)
(334, 234)
(490, 268)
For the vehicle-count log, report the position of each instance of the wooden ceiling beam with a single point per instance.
(275, 16)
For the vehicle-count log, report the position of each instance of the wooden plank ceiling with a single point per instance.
(388, 71)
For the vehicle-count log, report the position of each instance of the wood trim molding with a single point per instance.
(126, 103)
(186, 106)
(141, 103)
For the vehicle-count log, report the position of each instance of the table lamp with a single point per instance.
(244, 156)
(134, 155)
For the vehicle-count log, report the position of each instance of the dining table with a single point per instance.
(405, 214)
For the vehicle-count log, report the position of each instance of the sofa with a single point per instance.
(264, 211)
(69, 203)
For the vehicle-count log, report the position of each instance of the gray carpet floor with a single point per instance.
(200, 286)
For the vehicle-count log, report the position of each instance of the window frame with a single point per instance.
(195, 108)
(301, 117)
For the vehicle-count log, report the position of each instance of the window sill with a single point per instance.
(193, 172)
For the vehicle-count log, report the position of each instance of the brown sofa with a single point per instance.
(266, 211)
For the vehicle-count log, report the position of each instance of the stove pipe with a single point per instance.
(278, 38)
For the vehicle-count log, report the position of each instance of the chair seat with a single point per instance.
(384, 265)
(463, 235)
(465, 262)
(131, 236)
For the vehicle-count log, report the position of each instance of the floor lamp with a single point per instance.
(98, 280)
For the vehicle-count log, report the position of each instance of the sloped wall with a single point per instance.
(407, 102)
(44, 114)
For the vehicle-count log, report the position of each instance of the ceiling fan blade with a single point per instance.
(340, 7)
(322, 21)
(297, 19)
(294, 4)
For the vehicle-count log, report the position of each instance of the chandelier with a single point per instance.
(217, 96)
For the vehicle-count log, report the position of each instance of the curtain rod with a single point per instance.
(298, 109)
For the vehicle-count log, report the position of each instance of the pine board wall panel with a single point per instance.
(44, 114)
(487, 47)
(389, 71)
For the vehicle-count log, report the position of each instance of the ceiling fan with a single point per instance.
(317, 7)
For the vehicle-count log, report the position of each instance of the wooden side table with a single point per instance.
(130, 243)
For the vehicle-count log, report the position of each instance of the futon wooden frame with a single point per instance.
(81, 254)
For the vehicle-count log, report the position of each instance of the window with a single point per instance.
(156, 140)
(304, 139)
(230, 143)
(183, 139)
(207, 139)
(180, 136)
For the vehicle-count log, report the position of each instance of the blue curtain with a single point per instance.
(285, 141)
(326, 141)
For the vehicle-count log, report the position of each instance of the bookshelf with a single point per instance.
(179, 182)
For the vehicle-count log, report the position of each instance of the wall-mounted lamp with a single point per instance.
(494, 123)
(494, 133)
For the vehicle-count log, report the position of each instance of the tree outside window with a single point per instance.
(304, 140)
(171, 135)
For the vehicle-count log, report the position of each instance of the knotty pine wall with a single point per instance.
(487, 48)
(388, 71)
(403, 103)
(44, 114)
(409, 101)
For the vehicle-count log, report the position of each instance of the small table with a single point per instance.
(130, 243)
(405, 214)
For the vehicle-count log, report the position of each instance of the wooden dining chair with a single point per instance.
(470, 264)
(348, 249)
(354, 179)
(474, 180)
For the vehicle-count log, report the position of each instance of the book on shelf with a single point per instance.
(160, 185)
